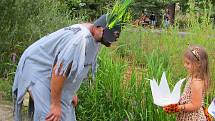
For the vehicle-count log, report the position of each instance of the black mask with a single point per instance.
(108, 35)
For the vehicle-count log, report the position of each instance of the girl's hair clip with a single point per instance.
(195, 52)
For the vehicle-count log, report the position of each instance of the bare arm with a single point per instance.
(56, 87)
(57, 82)
(197, 88)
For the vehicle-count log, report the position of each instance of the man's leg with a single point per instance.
(41, 96)
(30, 107)
(68, 112)
(17, 107)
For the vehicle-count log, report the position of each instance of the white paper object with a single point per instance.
(211, 108)
(161, 93)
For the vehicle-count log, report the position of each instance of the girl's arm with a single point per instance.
(197, 87)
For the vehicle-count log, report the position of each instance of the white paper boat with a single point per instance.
(211, 108)
(161, 93)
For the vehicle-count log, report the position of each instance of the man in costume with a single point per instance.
(52, 68)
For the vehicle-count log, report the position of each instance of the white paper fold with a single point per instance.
(211, 108)
(161, 93)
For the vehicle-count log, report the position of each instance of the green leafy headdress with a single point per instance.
(119, 14)
(113, 21)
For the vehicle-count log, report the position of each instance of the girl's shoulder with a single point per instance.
(197, 82)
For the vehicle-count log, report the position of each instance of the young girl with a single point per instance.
(190, 106)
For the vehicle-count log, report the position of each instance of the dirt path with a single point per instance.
(6, 112)
(6, 109)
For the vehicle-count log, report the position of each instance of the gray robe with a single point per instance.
(70, 45)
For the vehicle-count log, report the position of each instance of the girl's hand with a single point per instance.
(172, 108)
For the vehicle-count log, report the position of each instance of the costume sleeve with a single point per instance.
(71, 58)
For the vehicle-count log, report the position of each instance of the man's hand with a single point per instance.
(55, 113)
(75, 100)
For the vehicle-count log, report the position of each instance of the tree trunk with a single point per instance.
(171, 8)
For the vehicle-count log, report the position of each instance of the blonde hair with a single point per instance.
(199, 59)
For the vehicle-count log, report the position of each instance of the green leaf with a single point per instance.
(119, 13)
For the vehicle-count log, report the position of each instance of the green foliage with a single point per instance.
(23, 22)
(198, 16)
(88, 10)
(5, 89)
